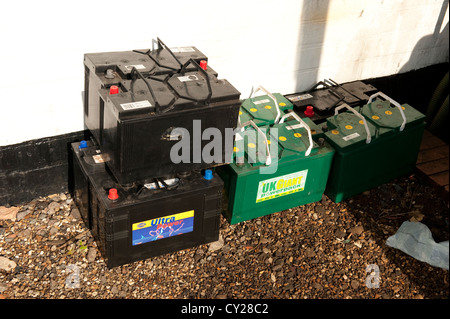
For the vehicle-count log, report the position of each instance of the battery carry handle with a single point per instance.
(250, 122)
(329, 86)
(161, 46)
(366, 127)
(392, 101)
(302, 124)
(203, 73)
(136, 74)
(271, 96)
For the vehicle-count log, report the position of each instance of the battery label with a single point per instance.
(281, 186)
(188, 78)
(261, 101)
(350, 137)
(135, 105)
(182, 49)
(137, 66)
(300, 97)
(163, 227)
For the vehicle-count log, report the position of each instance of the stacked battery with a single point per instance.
(139, 192)
(280, 161)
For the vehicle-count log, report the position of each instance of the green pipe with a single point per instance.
(440, 121)
(437, 99)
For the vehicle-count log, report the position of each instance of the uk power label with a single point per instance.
(281, 186)
(163, 227)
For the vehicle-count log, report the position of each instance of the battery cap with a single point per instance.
(204, 64)
(83, 144)
(208, 174)
(114, 89)
(309, 112)
(112, 195)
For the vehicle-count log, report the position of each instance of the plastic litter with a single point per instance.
(416, 240)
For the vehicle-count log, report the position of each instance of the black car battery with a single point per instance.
(106, 69)
(140, 220)
(138, 121)
(319, 102)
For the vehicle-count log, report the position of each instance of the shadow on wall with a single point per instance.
(313, 21)
(422, 81)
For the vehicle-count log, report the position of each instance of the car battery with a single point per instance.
(374, 144)
(294, 173)
(139, 120)
(106, 69)
(264, 109)
(140, 220)
(319, 102)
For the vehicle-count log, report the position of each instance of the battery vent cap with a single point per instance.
(112, 195)
(114, 89)
(309, 112)
(83, 144)
(208, 174)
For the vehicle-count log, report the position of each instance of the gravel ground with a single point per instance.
(316, 251)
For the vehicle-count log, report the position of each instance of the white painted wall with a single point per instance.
(284, 45)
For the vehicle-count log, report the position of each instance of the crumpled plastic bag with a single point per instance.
(416, 240)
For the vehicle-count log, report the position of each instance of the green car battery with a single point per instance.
(293, 172)
(374, 144)
(264, 109)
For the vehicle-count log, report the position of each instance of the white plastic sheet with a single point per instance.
(416, 240)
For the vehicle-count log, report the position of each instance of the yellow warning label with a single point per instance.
(235, 149)
(361, 122)
(282, 104)
(267, 107)
(251, 145)
(282, 138)
(375, 117)
(297, 135)
(335, 132)
(240, 112)
(388, 112)
(253, 109)
(349, 127)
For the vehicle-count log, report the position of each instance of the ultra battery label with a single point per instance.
(281, 186)
(163, 227)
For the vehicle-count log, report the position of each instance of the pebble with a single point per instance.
(7, 264)
(357, 230)
(216, 245)
(303, 252)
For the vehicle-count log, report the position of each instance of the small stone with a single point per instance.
(356, 230)
(22, 215)
(75, 213)
(92, 253)
(8, 212)
(309, 253)
(317, 286)
(339, 233)
(216, 245)
(6, 264)
(320, 210)
(354, 284)
(53, 207)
